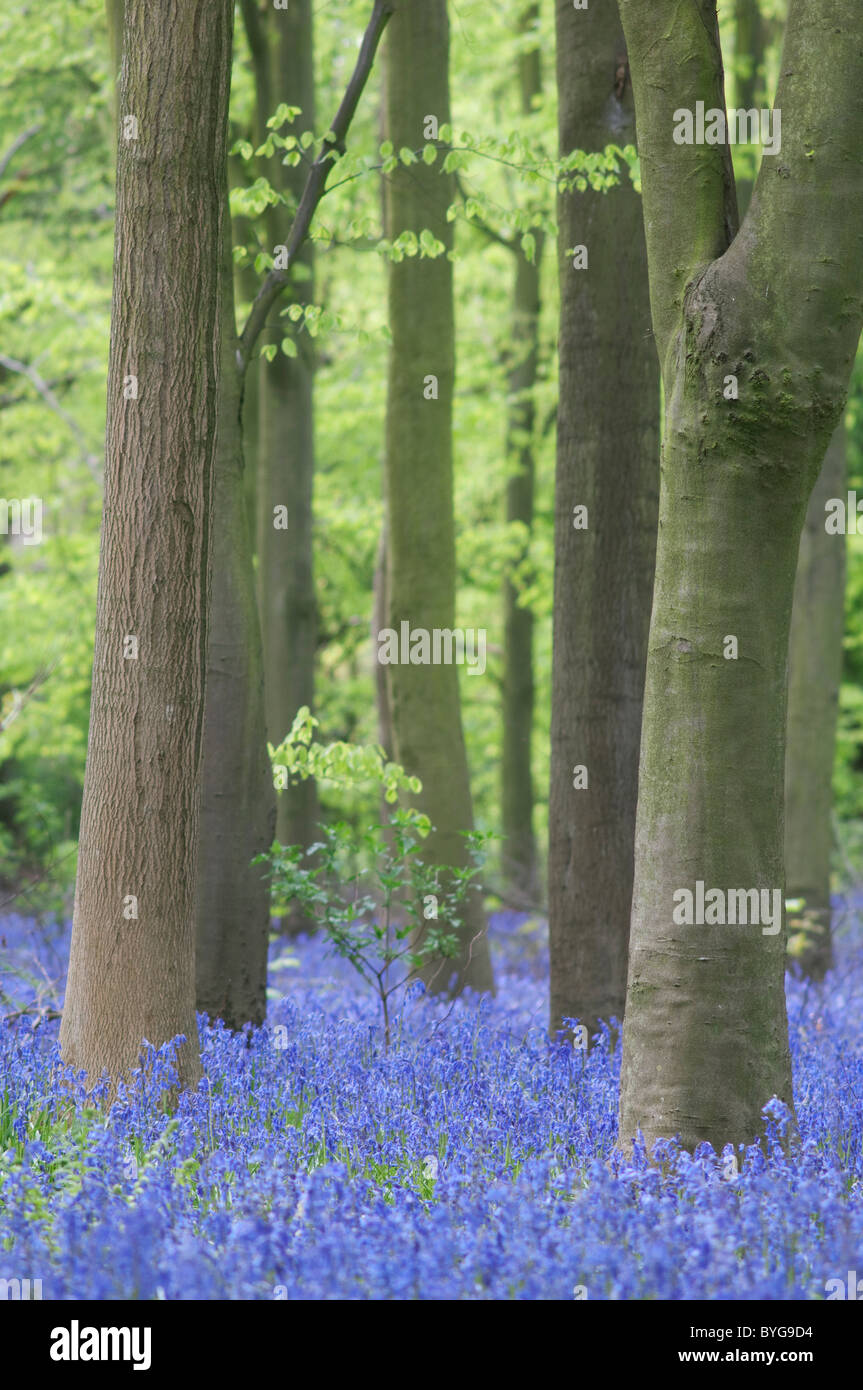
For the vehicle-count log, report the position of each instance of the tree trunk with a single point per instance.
(114, 19)
(608, 462)
(286, 585)
(756, 332)
(380, 608)
(132, 966)
(519, 845)
(814, 677)
(238, 800)
(749, 44)
(424, 699)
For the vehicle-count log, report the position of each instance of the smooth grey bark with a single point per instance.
(519, 853)
(814, 677)
(283, 56)
(778, 306)
(424, 699)
(749, 43)
(238, 799)
(608, 462)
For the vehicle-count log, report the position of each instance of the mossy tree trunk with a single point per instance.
(607, 462)
(777, 306)
(424, 699)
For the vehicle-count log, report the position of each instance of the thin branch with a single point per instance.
(315, 188)
(42, 1012)
(6, 159)
(22, 700)
(51, 400)
(508, 242)
(16, 397)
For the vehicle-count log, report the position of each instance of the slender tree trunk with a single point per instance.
(246, 284)
(238, 816)
(424, 699)
(250, 428)
(286, 584)
(756, 332)
(114, 18)
(749, 43)
(608, 463)
(519, 846)
(814, 677)
(132, 965)
(379, 620)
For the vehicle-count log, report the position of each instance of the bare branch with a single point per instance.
(315, 187)
(22, 700)
(51, 400)
(509, 242)
(6, 159)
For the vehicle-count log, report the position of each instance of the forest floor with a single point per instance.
(471, 1160)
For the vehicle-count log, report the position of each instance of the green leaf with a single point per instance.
(282, 114)
(289, 347)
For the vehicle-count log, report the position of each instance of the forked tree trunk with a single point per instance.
(424, 699)
(814, 677)
(778, 308)
(608, 462)
(132, 966)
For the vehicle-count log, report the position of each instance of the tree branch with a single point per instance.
(690, 201)
(52, 402)
(800, 250)
(315, 188)
(6, 159)
(509, 242)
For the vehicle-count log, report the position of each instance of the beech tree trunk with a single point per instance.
(238, 799)
(284, 66)
(749, 44)
(608, 462)
(424, 699)
(519, 855)
(814, 677)
(778, 307)
(132, 966)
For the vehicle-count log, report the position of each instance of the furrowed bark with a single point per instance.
(608, 461)
(424, 699)
(779, 309)
(132, 966)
